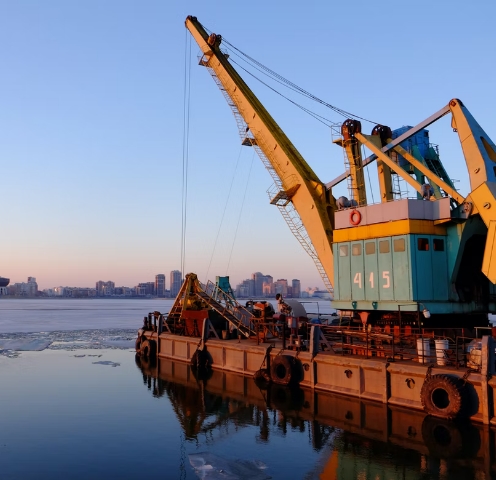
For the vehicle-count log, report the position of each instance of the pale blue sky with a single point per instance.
(91, 107)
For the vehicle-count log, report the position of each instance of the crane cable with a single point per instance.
(293, 86)
(285, 82)
(368, 175)
(240, 213)
(223, 213)
(186, 110)
(317, 117)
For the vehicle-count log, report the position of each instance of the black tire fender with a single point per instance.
(281, 370)
(148, 349)
(200, 360)
(443, 396)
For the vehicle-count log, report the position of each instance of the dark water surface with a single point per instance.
(71, 411)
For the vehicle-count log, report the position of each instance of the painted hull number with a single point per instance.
(357, 279)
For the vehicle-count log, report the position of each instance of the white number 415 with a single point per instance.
(385, 275)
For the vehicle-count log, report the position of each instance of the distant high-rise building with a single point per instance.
(296, 288)
(160, 285)
(258, 280)
(281, 286)
(268, 289)
(144, 289)
(268, 286)
(244, 289)
(32, 289)
(104, 289)
(175, 282)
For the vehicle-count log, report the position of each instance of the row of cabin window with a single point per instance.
(398, 246)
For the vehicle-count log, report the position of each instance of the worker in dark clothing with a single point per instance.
(286, 309)
(282, 306)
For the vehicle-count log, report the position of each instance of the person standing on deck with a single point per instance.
(284, 308)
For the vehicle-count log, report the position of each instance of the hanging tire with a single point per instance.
(138, 344)
(443, 396)
(148, 349)
(200, 360)
(282, 370)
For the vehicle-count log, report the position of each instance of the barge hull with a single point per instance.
(377, 379)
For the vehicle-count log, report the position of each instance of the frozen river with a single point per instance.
(77, 404)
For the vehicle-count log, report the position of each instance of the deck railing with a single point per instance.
(431, 347)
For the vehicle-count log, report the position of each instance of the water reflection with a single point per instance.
(341, 437)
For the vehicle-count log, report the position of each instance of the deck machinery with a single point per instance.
(429, 259)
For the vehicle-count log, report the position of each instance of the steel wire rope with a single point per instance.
(368, 175)
(282, 80)
(240, 213)
(317, 117)
(223, 213)
(295, 87)
(186, 110)
(307, 110)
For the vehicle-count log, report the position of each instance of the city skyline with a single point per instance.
(43, 284)
(258, 286)
(93, 137)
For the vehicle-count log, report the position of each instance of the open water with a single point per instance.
(82, 407)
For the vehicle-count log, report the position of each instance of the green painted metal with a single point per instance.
(401, 275)
(439, 268)
(420, 177)
(357, 271)
(342, 255)
(453, 239)
(398, 270)
(385, 263)
(422, 257)
(371, 277)
(224, 284)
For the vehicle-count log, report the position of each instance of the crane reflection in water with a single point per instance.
(348, 437)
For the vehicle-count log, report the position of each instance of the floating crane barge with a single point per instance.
(410, 270)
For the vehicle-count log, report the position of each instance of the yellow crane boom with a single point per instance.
(300, 185)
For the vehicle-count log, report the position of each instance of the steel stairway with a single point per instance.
(217, 299)
(226, 306)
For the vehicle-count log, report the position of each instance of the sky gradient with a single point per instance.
(91, 125)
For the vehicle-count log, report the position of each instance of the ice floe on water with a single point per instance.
(107, 362)
(11, 343)
(21, 344)
(214, 467)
